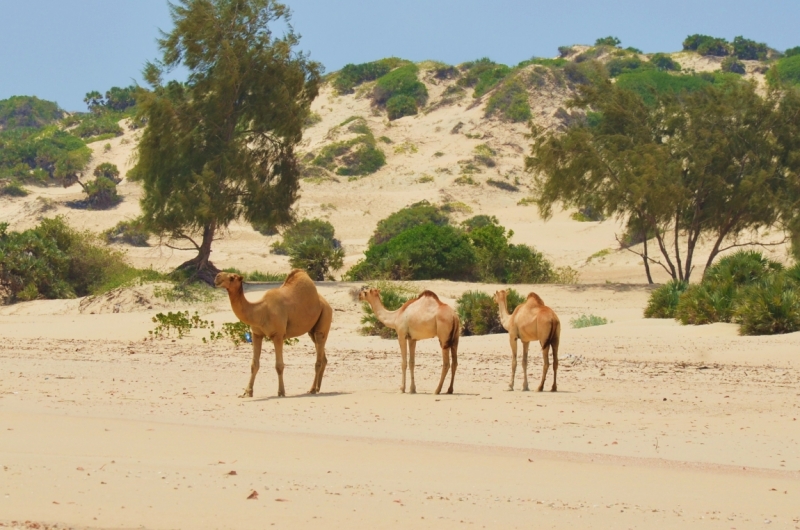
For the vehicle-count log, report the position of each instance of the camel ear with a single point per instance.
(238, 277)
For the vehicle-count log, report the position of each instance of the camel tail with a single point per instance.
(452, 340)
(555, 329)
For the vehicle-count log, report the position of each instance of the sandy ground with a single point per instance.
(655, 425)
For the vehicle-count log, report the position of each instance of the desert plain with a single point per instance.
(655, 425)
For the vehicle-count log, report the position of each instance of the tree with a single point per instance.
(93, 100)
(608, 41)
(714, 163)
(220, 146)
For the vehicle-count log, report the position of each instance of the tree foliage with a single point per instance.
(713, 163)
(221, 146)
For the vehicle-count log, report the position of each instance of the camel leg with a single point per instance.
(412, 348)
(322, 361)
(525, 366)
(545, 366)
(257, 340)
(554, 344)
(404, 357)
(453, 365)
(445, 368)
(513, 341)
(278, 342)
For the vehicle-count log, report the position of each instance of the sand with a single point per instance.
(655, 425)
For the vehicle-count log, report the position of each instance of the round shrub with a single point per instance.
(400, 106)
(770, 307)
(109, 171)
(741, 268)
(424, 252)
(703, 304)
(302, 230)
(510, 101)
(663, 301)
(317, 255)
(101, 193)
(664, 62)
(400, 81)
(733, 65)
(417, 214)
(480, 314)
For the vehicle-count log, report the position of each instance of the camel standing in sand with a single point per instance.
(531, 320)
(423, 317)
(289, 311)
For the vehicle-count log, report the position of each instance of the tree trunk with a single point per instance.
(200, 267)
(646, 258)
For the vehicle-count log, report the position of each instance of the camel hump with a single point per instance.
(536, 298)
(423, 294)
(297, 275)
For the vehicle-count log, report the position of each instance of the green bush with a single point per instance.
(353, 75)
(42, 155)
(648, 83)
(54, 261)
(318, 256)
(584, 73)
(587, 321)
(13, 189)
(401, 81)
(355, 157)
(392, 297)
(109, 171)
(302, 230)
(770, 306)
(101, 194)
(791, 52)
(94, 124)
(417, 214)
(482, 75)
(510, 102)
(785, 71)
(623, 65)
(479, 313)
(131, 232)
(423, 252)
(663, 302)
(732, 65)
(608, 41)
(28, 112)
(706, 45)
(747, 49)
(400, 106)
(664, 62)
(702, 304)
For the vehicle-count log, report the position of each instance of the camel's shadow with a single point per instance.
(298, 396)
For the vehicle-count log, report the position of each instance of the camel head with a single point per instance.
(500, 297)
(228, 281)
(366, 294)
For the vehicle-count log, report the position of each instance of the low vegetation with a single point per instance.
(400, 92)
(352, 75)
(133, 232)
(785, 71)
(357, 156)
(482, 75)
(510, 102)
(586, 321)
(479, 313)
(311, 246)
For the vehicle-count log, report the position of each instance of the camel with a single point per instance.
(289, 311)
(531, 320)
(423, 317)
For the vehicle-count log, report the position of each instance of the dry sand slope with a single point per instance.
(655, 426)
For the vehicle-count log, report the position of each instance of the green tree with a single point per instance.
(221, 146)
(713, 163)
(608, 41)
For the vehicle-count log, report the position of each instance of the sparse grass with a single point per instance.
(503, 185)
(510, 102)
(586, 321)
(355, 157)
(258, 276)
(599, 254)
(13, 189)
(131, 232)
(312, 119)
(187, 293)
(385, 139)
(425, 178)
(456, 207)
(527, 201)
(466, 180)
(406, 148)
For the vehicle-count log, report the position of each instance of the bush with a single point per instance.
(258, 276)
(479, 313)
(101, 194)
(42, 155)
(401, 81)
(732, 65)
(28, 111)
(417, 214)
(701, 304)
(510, 101)
(353, 75)
(94, 124)
(109, 171)
(400, 106)
(706, 45)
(13, 189)
(302, 230)
(355, 157)
(665, 62)
(663, 301)
(623, 65)
(131, 232)
(393, 297)
(54, 261)
(483, 75)
(608, 41)
(317, 255)
(785, 71)
(649, 83)
(423, 252)
(587, 321)
(770, 306)
(747, 49)
(791, 52)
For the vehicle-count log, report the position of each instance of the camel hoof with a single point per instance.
(247, 393)
(526, 389)
(539, 389)
(313, 391)
(554, 389)
(412, 391)
(281, 394)
(449, 390)
(510, 389)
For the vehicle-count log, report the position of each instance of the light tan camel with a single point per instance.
(531, 320)
(289, 311)
(423, 317)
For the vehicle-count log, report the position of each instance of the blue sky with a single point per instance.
(61, 49)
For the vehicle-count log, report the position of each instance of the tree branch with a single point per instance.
(644, 256)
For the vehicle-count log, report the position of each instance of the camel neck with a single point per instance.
(505, 316)
(387, 318)
(241, 307)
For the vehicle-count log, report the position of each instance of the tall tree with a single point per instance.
(220, 146)
(712, 164)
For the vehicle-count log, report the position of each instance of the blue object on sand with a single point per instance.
(247, 336)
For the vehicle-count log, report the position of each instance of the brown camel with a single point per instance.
(423, 317)
(531, 320)
(289, 311)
